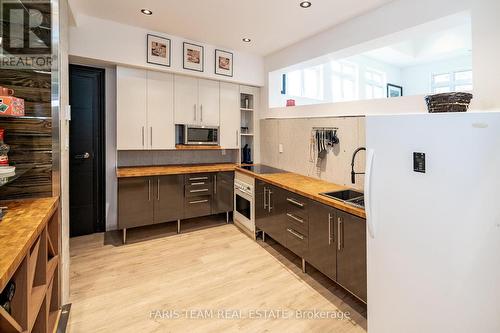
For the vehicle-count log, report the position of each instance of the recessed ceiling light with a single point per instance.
(305, 4)
(246, 40)
(146, 12)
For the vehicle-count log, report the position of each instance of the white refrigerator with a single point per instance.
(433, 220)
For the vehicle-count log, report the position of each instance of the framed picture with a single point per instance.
(159, 50)
(193, 57)
(223, 63)
(394, 90)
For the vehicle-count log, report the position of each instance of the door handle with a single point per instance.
(296, 234)
(142, 136)
(339, 232)
(330, 236)
(158, 189)
(197, 202)
(195, 112)
(149, 189)
(83, 156)
(201, 113)
(199, 178)
(295, 218)
(295, 202)
(151, 135)
(237, 138)
(197, 191)
(215, 184)
(269, 193)
(265, 205)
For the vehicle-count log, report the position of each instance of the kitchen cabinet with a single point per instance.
(229, 115)
(148, 200)
(169, 200)
(297, 223)
(322, 252)
(131, 122)
(198, 191)
(145, 110)
(269, 211)
(223, 192)
(196, 101)
(351, 253)
(135, 202)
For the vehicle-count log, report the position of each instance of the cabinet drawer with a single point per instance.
(296, 242)
(197, 206)
(197, 179)
(198, 190)
(297, 205)
(297, 222)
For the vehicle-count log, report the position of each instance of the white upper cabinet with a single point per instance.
(145, 109)
(131, 91)
(186, 100)
(196, 101)
(209, 102)
(160, 111)
(229, 115)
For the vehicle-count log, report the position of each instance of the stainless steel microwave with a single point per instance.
(201, 135)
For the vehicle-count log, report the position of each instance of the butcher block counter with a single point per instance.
(127, 172)
(308, 187)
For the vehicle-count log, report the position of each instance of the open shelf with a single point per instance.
(20, 170)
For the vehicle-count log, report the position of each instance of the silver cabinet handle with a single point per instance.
(197, 202)
(237, 132)
(295, 202)
(339, 228)
(296, 234)
(265, 205)
(330, 236)
(199, 183)
(201, 113)
(149, 189)
(142, 136)
(215, 184)
(151, 142)
(199, 178)
(197, 191)
(195, 112)
(269, 193)
(158, 189)
(293, 217)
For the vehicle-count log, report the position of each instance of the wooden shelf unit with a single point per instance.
(36, 305)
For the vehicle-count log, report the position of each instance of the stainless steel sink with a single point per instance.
(349, 197)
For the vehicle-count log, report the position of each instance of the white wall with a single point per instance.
(122, 44)
(417, 79)
(396, 16)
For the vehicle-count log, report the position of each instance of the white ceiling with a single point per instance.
(271, 24)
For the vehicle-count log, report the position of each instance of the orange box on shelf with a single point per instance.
(11, 106)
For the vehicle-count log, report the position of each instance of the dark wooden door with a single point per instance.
(223, 192)
(135, 202)
(276, 221)
(351, 253)
(322, 252)
(169, 198)
(86, 150)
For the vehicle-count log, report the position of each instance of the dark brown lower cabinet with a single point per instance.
(322, 242)
(148, 200)
(197, 206)
(168, 199)
(351, 253)
(223, 192)
(270, 212)
(135, 202)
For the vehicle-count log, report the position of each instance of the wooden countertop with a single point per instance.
(127, 172)
(21, 225)
(308, 187)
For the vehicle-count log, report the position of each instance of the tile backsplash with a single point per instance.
(175, 157)
(294, 136)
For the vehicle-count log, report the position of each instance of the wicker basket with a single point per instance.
(448, 102)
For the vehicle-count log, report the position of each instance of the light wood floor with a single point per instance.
(117, 288)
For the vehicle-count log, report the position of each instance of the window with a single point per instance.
(307, 83)
(375, 83)
(344, 81)
(455, 81)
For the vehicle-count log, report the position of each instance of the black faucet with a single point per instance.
(353, 174)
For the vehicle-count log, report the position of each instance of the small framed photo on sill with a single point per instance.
(223, 63)
(159, 50)
(193, 57)
(394, 90)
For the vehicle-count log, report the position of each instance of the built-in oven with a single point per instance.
(200, 135)
(244, 209)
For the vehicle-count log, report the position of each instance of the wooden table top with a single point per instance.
(126, 172)
(20, 227)
(308, 187)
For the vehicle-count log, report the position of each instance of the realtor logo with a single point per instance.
(25, 35)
